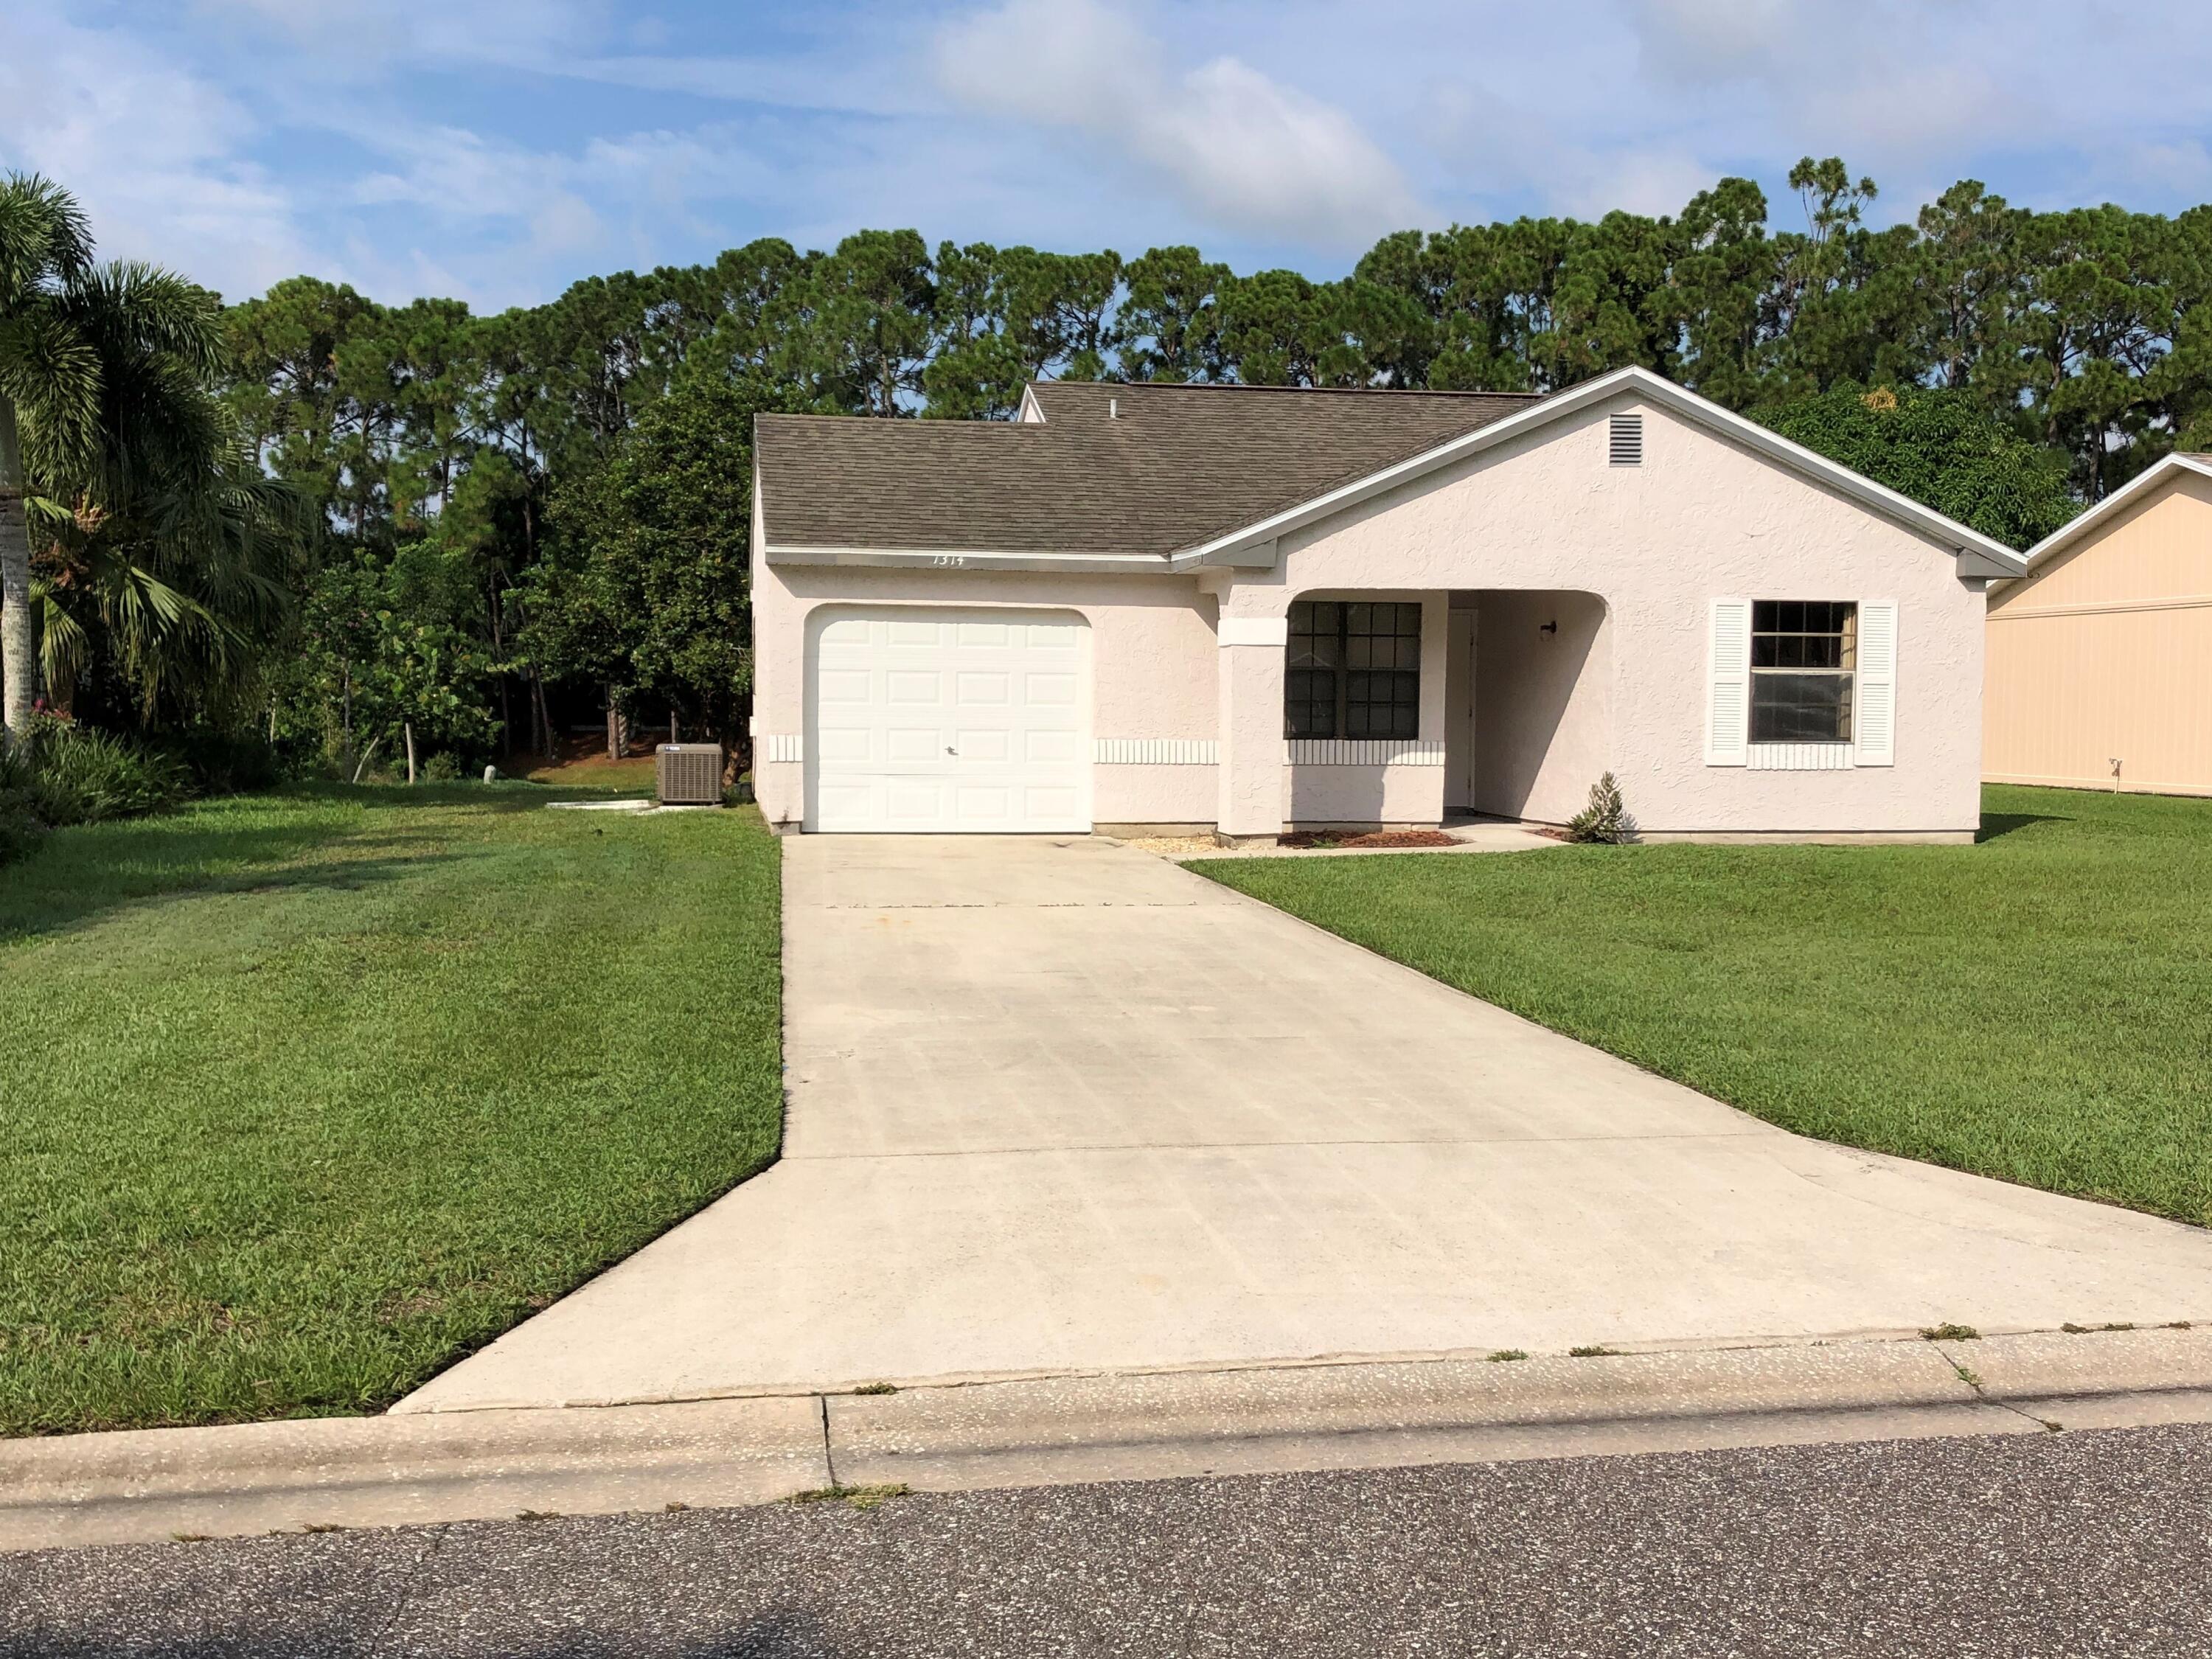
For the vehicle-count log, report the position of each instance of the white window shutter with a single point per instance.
(1873, 724)
(1727, 685)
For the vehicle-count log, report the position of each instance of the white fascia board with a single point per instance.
(1031, 412)
(2143, 483)
(1978, 555)
(932, 558)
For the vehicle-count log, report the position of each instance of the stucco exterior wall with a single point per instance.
(1701, 519)
(1542, 704)
(1152, 670)
(2104, 654)
(1651, 546)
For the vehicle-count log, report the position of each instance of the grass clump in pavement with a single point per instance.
(311, 1093)
(1949, 1333)
(1594, 1351)
(2034, 1008)
(854, 1497)
(1503, 1356)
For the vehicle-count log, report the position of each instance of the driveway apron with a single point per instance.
(1058, 1106)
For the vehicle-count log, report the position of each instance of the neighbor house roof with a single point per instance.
(2145, 484)
(1145, 470)
(1151, 475)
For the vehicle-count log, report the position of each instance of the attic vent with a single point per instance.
(1627, 440)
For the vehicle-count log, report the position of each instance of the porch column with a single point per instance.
(1251, 650)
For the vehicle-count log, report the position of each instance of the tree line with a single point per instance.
(505, 520)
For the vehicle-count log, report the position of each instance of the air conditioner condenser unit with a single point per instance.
(688, 774)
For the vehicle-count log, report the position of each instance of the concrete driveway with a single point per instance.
(1056, 1106)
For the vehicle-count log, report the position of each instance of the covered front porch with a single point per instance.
(1358, 709)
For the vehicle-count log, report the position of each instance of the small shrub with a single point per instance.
(1606, 819)
(66, 774)
(90, 776)
(441, 768)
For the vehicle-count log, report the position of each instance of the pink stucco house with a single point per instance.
(1244, 609)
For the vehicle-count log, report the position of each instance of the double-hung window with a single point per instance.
(1804, 656)
(1353, 671)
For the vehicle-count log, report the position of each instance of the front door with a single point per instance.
(1459, 714)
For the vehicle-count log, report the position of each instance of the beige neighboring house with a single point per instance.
(2100, 658)
(1243, 609)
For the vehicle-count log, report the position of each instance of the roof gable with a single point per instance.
(1978, 555)
(2145, 544)
(1148, 475)
(2135, 492)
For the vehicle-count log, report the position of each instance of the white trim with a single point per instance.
(1873, 684)
(1361, 751)
(942, 558)
(1728, 683)
(1978, 555)
(2026, 612)
(1155, 751)
(2143, 483)
(1799, 757)
(1255, 630)
(780, 750)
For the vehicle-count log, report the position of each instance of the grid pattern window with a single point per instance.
(1354, 669)
(1804, 654)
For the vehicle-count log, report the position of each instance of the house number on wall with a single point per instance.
(950, 558)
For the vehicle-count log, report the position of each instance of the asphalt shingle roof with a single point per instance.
(1171, 468)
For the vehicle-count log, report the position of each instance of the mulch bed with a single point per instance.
(1310, 838)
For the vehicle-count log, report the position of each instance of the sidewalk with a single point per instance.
(153, 1485)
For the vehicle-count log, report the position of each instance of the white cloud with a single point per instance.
(152, 152)
(357, 39)
(498, 150)
(1588, 184)
(1703, 42)
(1245, 150)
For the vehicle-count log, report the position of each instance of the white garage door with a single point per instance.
(949, 720)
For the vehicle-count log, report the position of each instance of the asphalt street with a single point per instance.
(2074, 1544)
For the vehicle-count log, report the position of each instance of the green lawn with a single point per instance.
(307, 1095)
(2037, 1007)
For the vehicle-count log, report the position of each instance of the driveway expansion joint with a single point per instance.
(828, 1450)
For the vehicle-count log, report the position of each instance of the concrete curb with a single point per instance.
(154, 1484)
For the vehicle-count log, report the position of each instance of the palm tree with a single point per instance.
(177, 551)
(156, 527)
(49, 396)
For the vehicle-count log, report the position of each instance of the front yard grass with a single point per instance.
(307, 1095)
(2037, 1007)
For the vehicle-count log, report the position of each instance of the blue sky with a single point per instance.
(496, 151)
